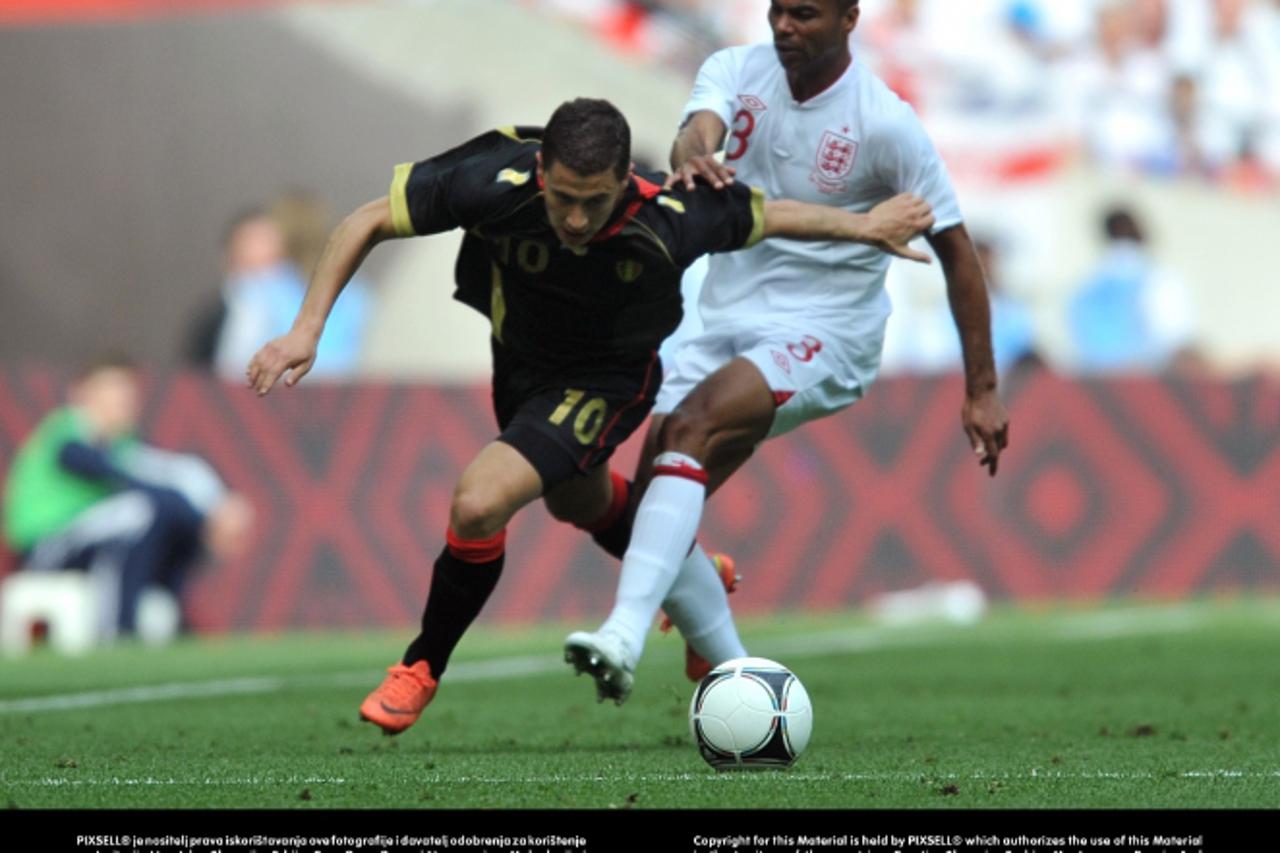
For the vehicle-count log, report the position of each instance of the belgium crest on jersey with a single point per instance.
(629, 271)
(836, 154)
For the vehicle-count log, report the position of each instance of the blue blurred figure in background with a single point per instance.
(262, 289)
(268, 255)
(1130, 314)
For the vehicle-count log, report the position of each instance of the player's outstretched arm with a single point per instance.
(295, 351)
(888, 226)
(693, 154)
(986, 423)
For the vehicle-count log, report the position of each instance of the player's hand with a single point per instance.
(704, 166)
(986, 423)
(227, 527)
(898, 221)
(292, 353)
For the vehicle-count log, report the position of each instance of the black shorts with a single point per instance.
(567, 423)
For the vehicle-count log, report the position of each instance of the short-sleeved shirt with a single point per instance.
(851, 146)
(554, 309)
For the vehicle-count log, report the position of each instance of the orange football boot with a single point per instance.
(696, 667)
(399, 700)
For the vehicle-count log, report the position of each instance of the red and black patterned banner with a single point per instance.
(1133, 487)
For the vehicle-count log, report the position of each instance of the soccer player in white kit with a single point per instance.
(793, 331)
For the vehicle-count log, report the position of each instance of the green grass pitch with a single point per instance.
(1127, 706)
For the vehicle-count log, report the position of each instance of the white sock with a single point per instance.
(666, 522)
(698, 606)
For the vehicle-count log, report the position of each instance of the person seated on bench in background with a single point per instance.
(85, 493)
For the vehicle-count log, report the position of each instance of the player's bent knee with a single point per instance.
(687, 431)
(476, 515)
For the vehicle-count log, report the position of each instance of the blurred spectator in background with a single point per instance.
(268, 255)
(1131, 314)
(262, 289)
(85, 494)
(1122, 85)
(305, 222)
(1166, 87)
(1240, 86)
(204, 326)
(921, 337)
(895, 44)
(1013, 330)
(1183, 152)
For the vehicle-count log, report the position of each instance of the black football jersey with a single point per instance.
(611, 302)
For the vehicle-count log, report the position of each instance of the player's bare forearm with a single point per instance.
(889, 226)
(970, 306)
(693, 152)
(291, 355)
(984, 417)
(701, 135)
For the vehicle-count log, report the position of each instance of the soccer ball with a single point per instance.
(750, 714)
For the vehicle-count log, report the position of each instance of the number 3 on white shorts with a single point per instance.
(804, 351)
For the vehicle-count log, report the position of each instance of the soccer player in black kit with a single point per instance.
(576, 259)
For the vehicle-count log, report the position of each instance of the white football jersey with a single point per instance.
(853, 146)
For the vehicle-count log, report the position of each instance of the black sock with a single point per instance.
(458, 592)
(615, 540)
(616, 535)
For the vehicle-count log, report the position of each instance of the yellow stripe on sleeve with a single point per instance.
(400, 218)
(497, 303)
(510, 132)
(757, 215)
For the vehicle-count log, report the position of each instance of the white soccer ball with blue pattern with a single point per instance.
(750, 714)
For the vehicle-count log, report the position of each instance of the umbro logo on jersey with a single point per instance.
(781, 360)
(836, 154)
(753, 103)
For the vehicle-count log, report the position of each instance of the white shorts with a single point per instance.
(805, 363)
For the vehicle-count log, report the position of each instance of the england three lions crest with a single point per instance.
(835, 158)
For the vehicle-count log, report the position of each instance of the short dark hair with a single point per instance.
(589, 136)
(115, 359)
(1121, 223)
